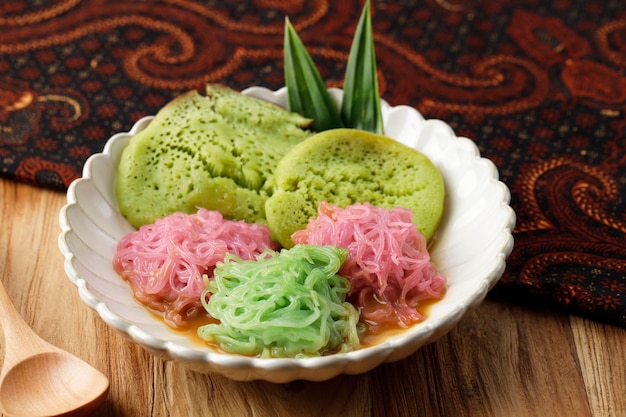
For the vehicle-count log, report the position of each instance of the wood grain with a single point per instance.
(503, 360)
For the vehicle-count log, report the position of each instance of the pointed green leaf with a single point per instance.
(305, 88)
(360, 108)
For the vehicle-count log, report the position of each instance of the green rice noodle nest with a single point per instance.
(284, 304)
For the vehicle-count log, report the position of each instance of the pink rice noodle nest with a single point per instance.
(389, 266)
(165, 262)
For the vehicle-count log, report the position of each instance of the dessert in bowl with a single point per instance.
(469, 248)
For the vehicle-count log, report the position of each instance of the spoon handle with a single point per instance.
(19, 339)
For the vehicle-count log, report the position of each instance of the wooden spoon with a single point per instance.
(39, 379)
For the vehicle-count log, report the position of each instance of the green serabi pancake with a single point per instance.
(216, 151)
(347, 166)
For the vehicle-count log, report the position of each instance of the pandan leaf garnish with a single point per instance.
(360, 108)
(305, 88)
(307, 93)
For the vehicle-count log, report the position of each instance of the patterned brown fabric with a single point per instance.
(539, 86)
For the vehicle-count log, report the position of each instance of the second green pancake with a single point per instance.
(347, 166)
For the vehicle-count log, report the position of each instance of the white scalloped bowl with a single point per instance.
(469, 248)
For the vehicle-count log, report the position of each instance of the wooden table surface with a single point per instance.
(504, 359)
